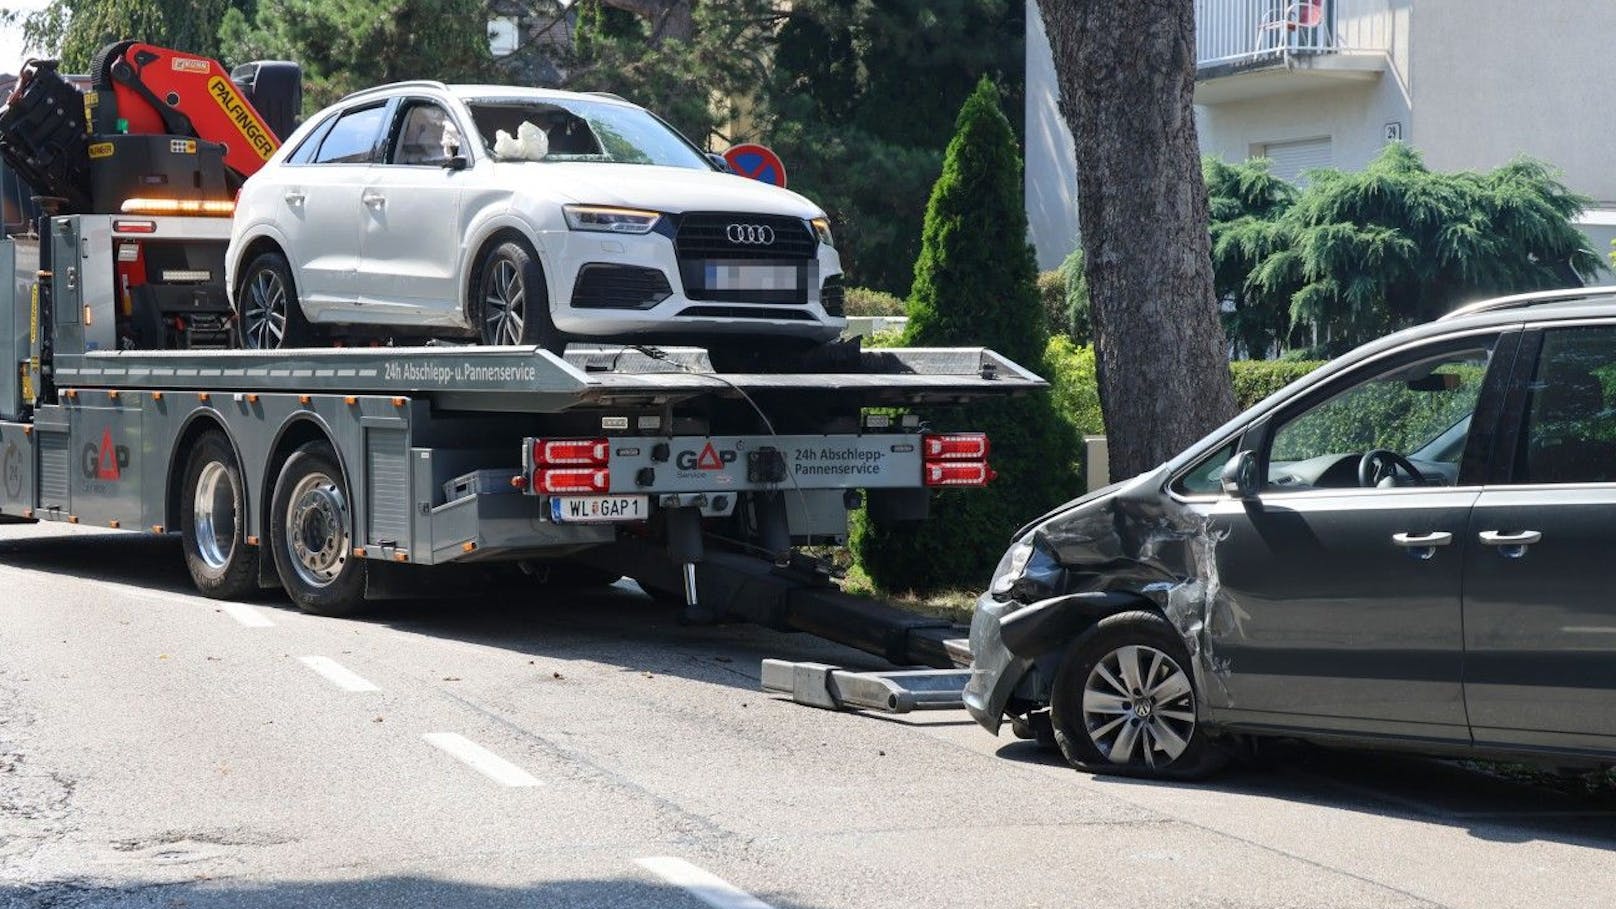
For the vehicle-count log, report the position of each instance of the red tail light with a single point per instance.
(958, 473)
(568, 452)
(956, 446)
(572, 480)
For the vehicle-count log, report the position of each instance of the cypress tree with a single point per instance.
(976, 285)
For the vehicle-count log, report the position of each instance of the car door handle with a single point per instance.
(1495, 538)
(295, 199)
(373, 199)
(1420, 540)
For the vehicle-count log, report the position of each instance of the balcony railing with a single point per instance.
(1236, 32)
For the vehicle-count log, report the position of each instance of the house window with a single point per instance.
(1295, 158)
(504, 36)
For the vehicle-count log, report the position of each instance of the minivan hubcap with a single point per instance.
(1139, 706)
(504, 304)
(264, 319)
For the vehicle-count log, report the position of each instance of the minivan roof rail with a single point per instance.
(1535, 298)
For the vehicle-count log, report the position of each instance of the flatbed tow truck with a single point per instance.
(350, 474)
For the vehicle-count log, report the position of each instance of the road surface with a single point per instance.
(158, 749)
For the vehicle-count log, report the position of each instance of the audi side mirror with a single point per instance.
(1239, 477)
(456, 162)
(719, 162)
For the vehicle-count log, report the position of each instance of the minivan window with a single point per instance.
(1420, 411)
(1569, 434)
(352, 139)
(1206, 477)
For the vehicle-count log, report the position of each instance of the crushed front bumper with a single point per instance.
(995, 671)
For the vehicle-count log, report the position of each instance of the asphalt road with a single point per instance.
(582, 749)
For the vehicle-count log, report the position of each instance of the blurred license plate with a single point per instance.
(737, 276)
(598, 509)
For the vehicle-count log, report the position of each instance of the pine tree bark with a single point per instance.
(1126, 72)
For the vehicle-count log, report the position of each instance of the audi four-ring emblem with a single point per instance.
(750, 234)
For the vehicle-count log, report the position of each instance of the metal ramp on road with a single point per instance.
(834, 688)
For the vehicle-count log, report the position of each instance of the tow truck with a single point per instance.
(346, 475)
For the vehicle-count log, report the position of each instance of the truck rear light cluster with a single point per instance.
(571, 466)
(955, 446)
(572, 480)
(572, 452)
(955, 459)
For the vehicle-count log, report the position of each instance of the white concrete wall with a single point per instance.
(1354, 116)
(1501, 78)
(1051, 158)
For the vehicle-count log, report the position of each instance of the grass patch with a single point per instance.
(954, 605)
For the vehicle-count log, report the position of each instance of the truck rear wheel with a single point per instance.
(212, 521)
(311, 532)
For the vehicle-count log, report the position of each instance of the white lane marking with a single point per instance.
(241, 612)
(250, 616)
(481, 759)
(246, 615)
(338, 674)
(703, 885)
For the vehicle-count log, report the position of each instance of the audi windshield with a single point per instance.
(568, 129)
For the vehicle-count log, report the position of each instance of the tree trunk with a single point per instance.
(1126, 70)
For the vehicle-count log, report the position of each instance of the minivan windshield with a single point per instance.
(581, 130)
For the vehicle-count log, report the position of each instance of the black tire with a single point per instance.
(1149, 719)
(510, 303)
(213, 509)
(268, 313)
(311, 534)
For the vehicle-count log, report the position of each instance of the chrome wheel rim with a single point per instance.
(504, 304)
(317, 530)
(1139, 707)
(215, 510)
(264, 318)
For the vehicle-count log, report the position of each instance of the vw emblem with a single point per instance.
(750, 234)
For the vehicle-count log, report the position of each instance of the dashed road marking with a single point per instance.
(246, 615)
(481, 759)
(338, 674)
(699, 883)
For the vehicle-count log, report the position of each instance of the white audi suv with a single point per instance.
(519, 216)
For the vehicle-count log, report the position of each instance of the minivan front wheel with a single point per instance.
(1125, 702)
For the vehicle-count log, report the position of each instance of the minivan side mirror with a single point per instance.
(1239, 477)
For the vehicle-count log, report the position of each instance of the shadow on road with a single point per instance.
(612, 625)
(400, 892)
(1486, 801)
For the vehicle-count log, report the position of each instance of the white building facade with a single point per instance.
(1327, 83)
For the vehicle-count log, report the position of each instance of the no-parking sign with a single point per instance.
(758, 162)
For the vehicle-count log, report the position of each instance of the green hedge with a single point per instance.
(864, 301)
(1257, 379)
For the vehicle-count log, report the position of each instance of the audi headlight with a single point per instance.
(822, 231)
(610, 220)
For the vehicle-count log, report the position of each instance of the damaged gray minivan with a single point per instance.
(1405, 549)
